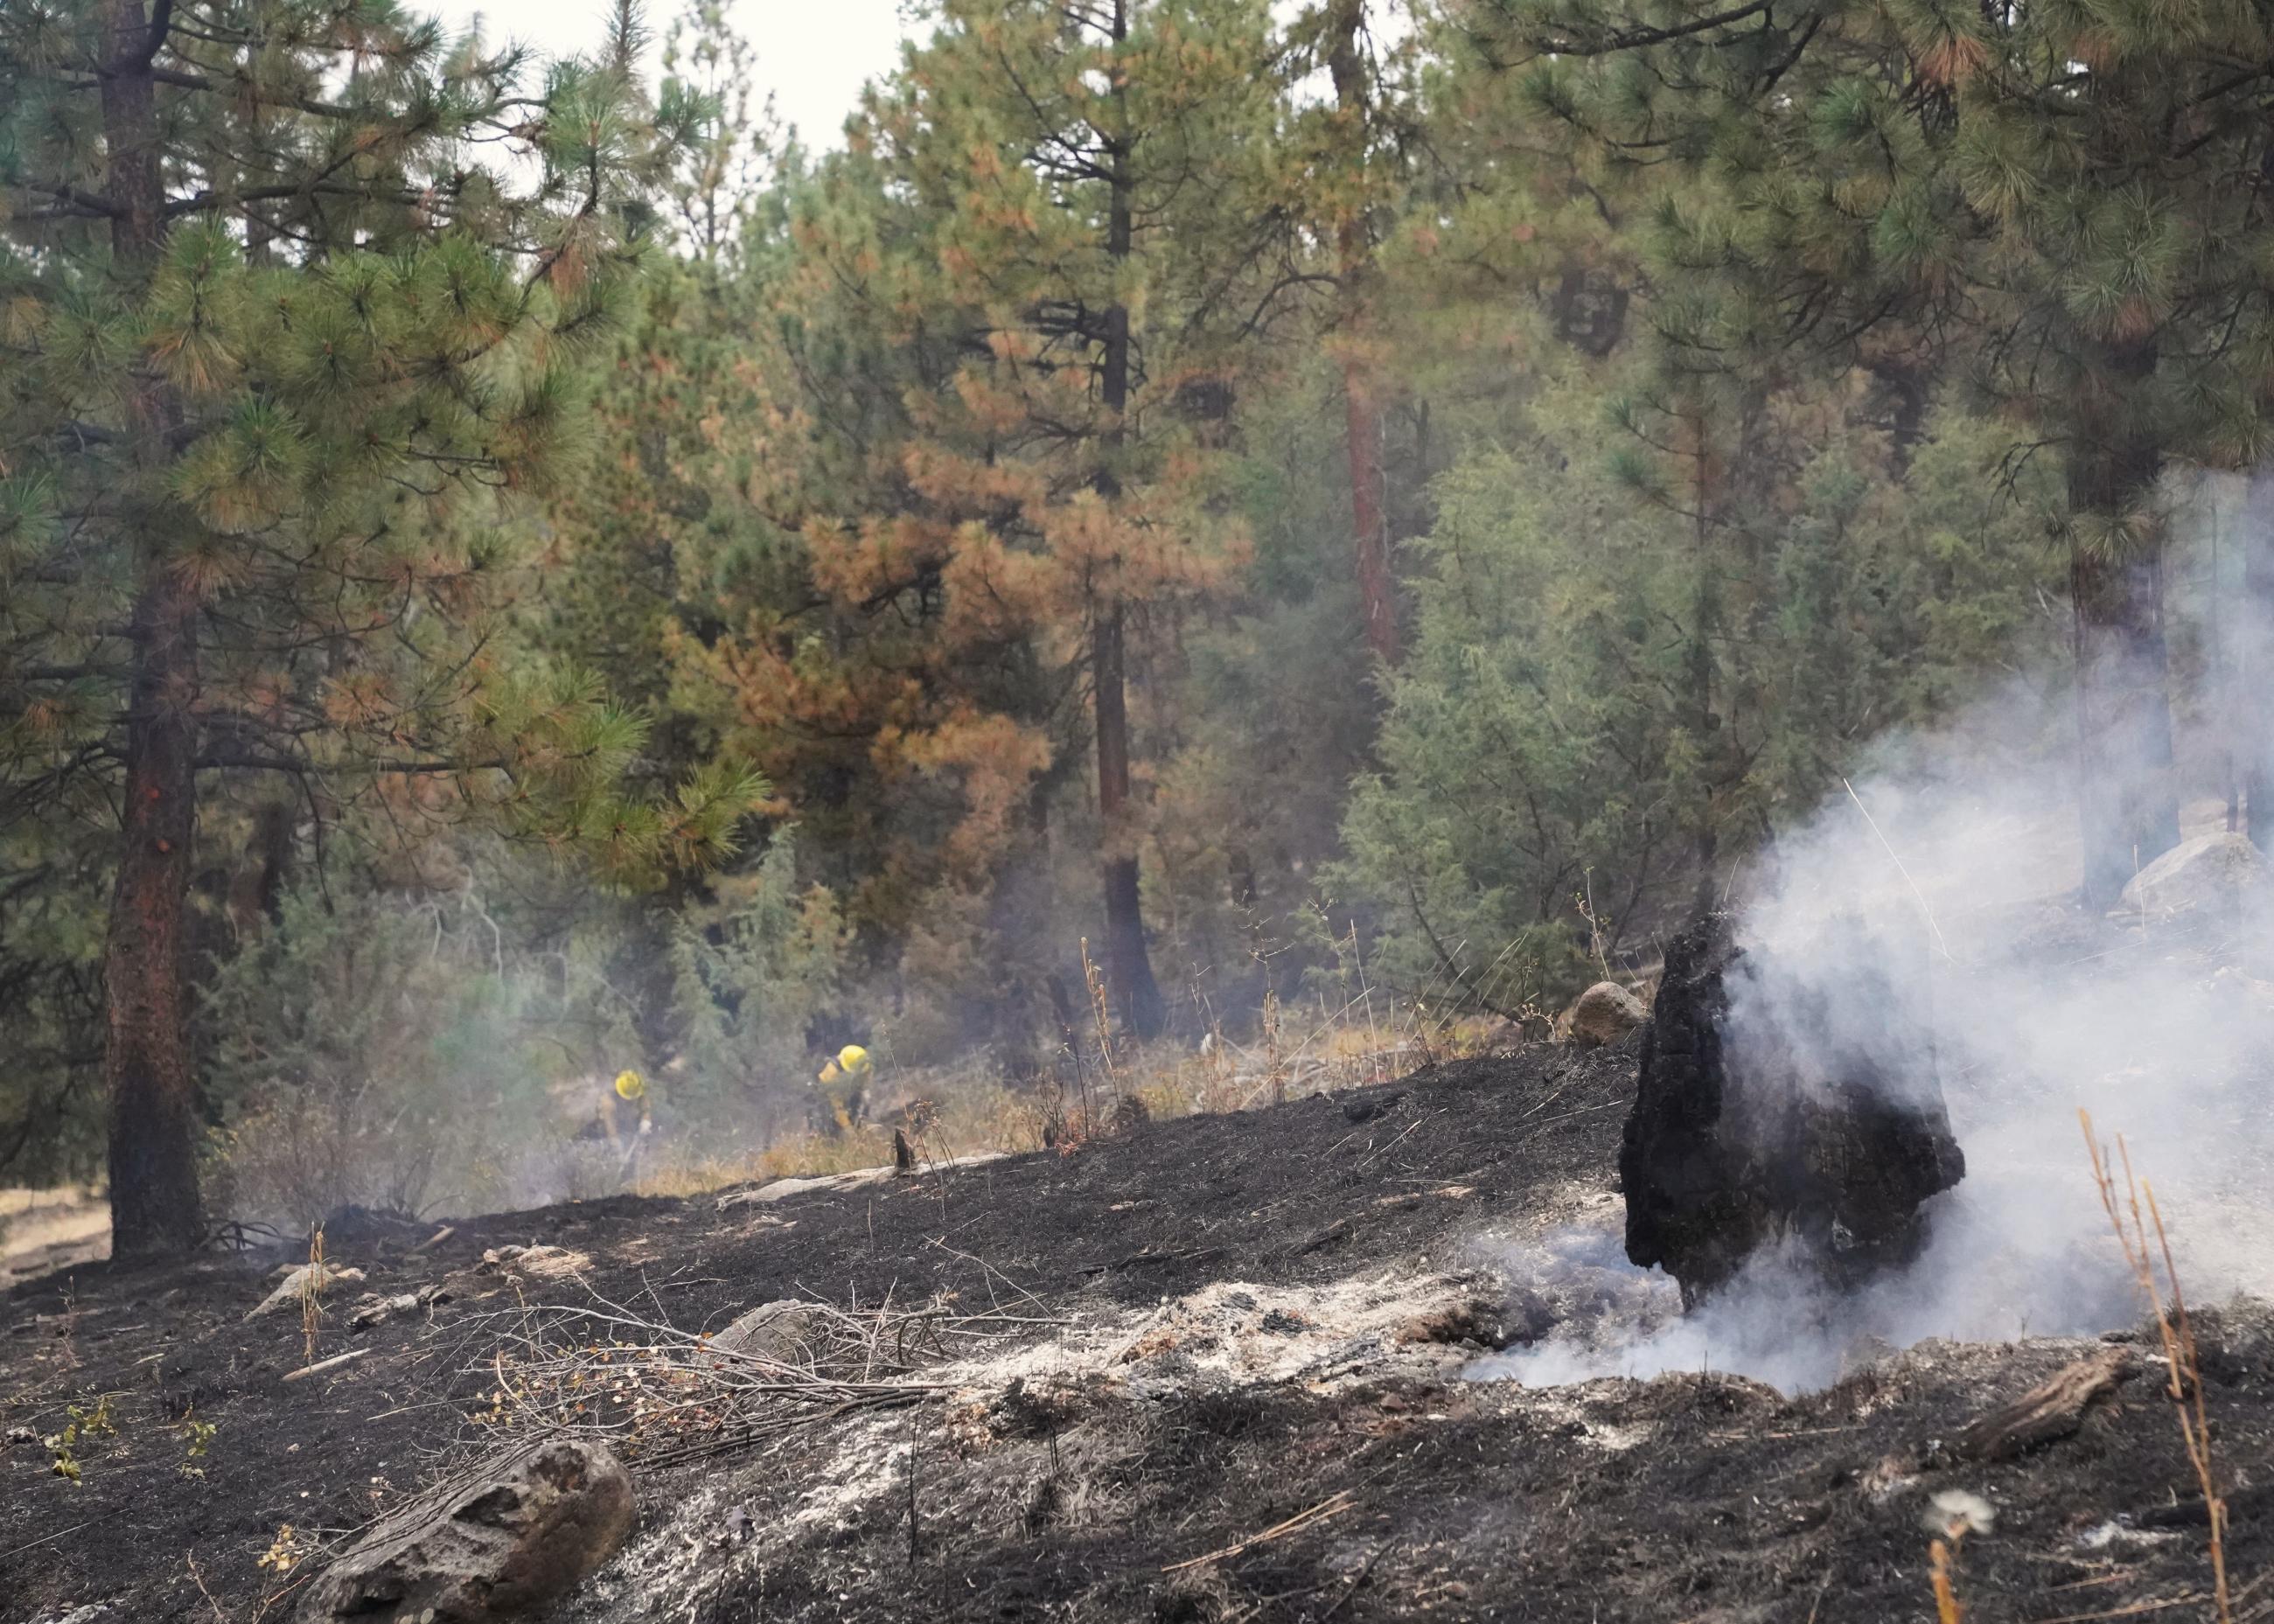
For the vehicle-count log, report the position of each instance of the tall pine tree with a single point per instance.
(285, 286)
(1044, 237)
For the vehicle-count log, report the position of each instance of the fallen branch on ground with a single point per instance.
(321, 1366)
(2052, 1410)
(1332, 1507)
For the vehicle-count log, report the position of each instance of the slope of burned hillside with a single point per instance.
(1217, 1369)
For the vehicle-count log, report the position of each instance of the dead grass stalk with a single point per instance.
(2175, 1328)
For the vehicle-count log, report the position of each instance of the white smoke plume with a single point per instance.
(1942, 893)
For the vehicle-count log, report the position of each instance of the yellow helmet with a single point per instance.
(853, 1058)
(629, 1085)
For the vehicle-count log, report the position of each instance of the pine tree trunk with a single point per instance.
(1377, 587)
(2251, 687)
(155, 1205)
(2126, 802)
(1704, 721)
(1128, 964)
(1377, 584)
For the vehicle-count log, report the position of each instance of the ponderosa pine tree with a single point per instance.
(718, 179)
(1050, 240)
(285, 286)
(2071, 204)
(1355, 172)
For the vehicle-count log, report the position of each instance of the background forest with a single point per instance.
(1199, 517)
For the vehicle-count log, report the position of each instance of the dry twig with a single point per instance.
(1332, 1507)
(600, 1369)
(321, 1366)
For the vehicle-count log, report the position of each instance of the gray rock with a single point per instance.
(1605, 1013)
(777, 1331)
(516, 1535)
(305, 1278)
(2208, 872)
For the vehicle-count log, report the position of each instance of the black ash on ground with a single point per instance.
(1244, 1395)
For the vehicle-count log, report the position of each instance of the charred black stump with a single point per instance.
(1819, 1121)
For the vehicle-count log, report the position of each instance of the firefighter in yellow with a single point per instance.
(629, 1123)
(842, 1089)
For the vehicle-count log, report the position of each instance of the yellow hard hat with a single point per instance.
(853, 1058)
(628, 1085)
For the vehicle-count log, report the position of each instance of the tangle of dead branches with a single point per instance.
(662, 1394)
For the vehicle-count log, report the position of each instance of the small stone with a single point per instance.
(1605, 1013)
(1366, 1109)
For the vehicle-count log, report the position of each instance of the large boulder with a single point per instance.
(2199, 875)
(1605, 1013)
(1793, 1127)
(506, 1540)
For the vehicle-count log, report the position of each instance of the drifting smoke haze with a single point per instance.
(1942, 930)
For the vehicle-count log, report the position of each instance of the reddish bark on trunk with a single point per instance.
(1377, 583)
(154, 1204)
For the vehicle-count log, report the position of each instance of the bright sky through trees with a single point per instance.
(813, 57)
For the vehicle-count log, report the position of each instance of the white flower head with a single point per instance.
(1955, 1512)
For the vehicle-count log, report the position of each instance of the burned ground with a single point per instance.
(1229, 1325)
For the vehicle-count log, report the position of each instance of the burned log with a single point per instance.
(1809, 1121)
(2052, 1410)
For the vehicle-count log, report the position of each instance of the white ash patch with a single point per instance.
(728, 1528)
(871, 1461)
(1581, 1420)
(1240, 1331)
(1578, 1310)
(1617, 1439)
(2112, 1534)
(1229, 1334)
(667, 1558)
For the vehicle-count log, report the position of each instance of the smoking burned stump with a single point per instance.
(1797, 1118)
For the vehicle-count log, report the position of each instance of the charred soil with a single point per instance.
(1220, 1373)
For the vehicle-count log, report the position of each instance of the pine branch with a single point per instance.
(83, 204)
(206, 201)
(160, 21)
(1642, 39)
(251, 762)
